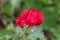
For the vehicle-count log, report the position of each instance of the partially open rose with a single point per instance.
(31, 17)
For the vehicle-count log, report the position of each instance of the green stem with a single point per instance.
(25, 35)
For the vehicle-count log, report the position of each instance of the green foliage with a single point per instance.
(11, 6)
(50, 9)
(16, 37)
(5, 34)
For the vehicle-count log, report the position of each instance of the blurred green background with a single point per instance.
(10, 9)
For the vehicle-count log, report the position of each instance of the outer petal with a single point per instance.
(21, 20)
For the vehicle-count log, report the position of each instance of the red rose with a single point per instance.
(31, 17)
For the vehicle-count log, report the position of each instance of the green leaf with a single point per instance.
(6, 34)
(1, 36)
(10, 7)
(7, 9)
(10, 26)
(37, 33)
(18, 30)
(16, 37)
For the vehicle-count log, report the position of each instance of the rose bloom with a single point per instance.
(30, 17)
